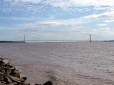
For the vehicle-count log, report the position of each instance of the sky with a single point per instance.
(56, 19)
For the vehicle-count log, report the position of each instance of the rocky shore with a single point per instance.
(9, 75)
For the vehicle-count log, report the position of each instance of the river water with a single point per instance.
(75, 63)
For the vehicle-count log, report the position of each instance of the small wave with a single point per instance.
(59, 79)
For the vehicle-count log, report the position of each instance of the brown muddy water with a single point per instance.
(81, 63)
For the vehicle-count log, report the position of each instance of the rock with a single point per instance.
(48, 83)
(9, 75)
(6, 61)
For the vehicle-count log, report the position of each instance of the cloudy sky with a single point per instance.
(56, 19)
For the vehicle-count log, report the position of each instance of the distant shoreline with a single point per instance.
(28, 41)
(12, 42)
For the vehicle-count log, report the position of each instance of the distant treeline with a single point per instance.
(12, 41)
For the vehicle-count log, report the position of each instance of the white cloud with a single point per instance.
(102, 25)
(54, 23)
(75, 22)
(109, 21)
(17, 18)
(69, 3)
(103, 8)
(107, 14)
(102, 34)
(103, 31)
(23, 1)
